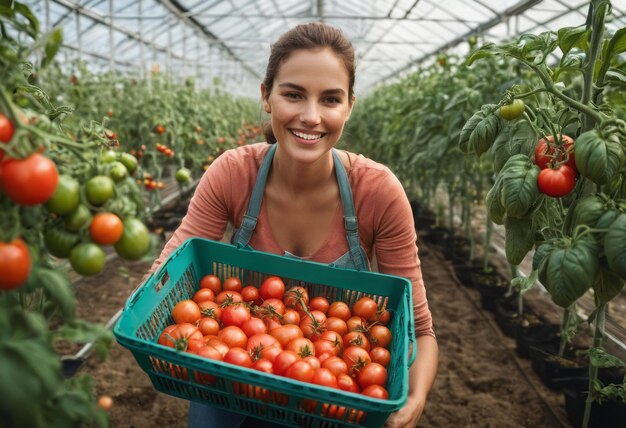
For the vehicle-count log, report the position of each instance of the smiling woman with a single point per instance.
(300, 197)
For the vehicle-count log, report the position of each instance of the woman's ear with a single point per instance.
(264, 98)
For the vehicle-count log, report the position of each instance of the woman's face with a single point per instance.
(309, 103)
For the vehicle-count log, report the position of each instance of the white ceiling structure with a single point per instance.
(230, 39)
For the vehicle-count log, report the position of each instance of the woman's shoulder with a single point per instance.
(366, 169)
(244, 156)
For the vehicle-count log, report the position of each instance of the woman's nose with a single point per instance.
(310, 113)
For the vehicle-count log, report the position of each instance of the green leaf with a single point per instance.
(490, 49)
(607, 285)
(519, 238)
(570, 271)
(615, 76)
(599, 157)
(59, 290)
(601, 359)
(53, 41)
(571, 37)
(81, 331)
(615, 246)
(617, 44)
(495, 209)
(519, 186)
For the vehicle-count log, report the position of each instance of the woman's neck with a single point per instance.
(297, 179)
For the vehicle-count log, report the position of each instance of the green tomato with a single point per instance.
(118, 171)
(59, 242)
(135, 240)
(513, 110)
(66, 197)
(108, 156)
(129, 161)
(87, 259)
(99, 189)
(78, 218)
(183, 175)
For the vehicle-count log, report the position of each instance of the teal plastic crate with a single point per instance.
(264, 396)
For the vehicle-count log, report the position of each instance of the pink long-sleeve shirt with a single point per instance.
(385, 219)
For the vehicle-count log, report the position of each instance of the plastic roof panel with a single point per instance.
(232, 38)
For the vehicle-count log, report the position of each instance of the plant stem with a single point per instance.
(488, 231)
(597, 33)
(598, 338)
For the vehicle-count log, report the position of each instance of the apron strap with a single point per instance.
(244, 233)
(359, 258)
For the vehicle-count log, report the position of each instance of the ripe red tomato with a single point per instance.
(250, 293)
(380, 335)
(313, 327)
(260, 341)
(356, 358)
(325, 377)
(356, 323)
(106, 228)
(186, 311)
(239, 357)
(6, 129)
(301, 346)
(14, 264)
(376, 391)
(178, 335)
(235, 315)
(544, 154)
(105, 402)
(233, 337)
(208, 326)
(380, 355)
(286, 333)
(329, 341)
(347, 383)
(232, 284)
(284, 360)
(30, 181)
(254, 326)
(339, 310)
(319, 303)
(263, 365)
(212, 282)
(336, 365)
(296, 297)
(210, 309)
(337, 325)
(300, 370)
(357, 338)
(203, 295)
(372, 374)
(272, 287)
(291, 316)
(557, 182)
(230, 296)
(365, 308)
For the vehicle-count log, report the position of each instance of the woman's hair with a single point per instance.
(308, 36)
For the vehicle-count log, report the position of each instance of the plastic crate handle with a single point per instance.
(410, 320)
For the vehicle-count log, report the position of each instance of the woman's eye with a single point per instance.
(293, 96)
(332, 100)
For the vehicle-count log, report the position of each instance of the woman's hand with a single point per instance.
(407, 416)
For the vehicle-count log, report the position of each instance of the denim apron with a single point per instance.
(207, 416)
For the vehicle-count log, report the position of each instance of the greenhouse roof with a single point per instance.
(230, 39)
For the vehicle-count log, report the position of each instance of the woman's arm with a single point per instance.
(421, 378)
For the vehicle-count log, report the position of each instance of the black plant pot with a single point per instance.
(609, 414)
(550, 368)
(535, 335)
(507, 316)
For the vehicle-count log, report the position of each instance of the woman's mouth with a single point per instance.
(307, 137)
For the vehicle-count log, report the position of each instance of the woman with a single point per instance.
(300, 197)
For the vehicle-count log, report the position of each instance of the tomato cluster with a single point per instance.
(558, 166)
(165, 150)
(286, 333)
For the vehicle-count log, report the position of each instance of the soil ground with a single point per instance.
(480, 383)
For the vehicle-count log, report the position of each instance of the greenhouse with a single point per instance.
(257, 213)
